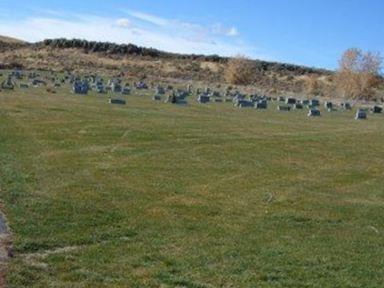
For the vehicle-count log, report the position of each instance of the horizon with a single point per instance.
(201, 28)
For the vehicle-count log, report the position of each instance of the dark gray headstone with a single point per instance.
(360, 114)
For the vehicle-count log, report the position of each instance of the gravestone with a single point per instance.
(314, 103)
(100, 89)
(117, 101)
(126, 91)
(38, 82)
(141, 85)
(244, 104)
(360, 114)
(305, 102)
(203, 98)
(284, 108)
(116, 87)
(290, 101)
(160, 90)
(23, 86)
(80, 87)
(346, 105)
(376, 109)
(156, 97)
(314, 113)
(328, 105)
(8, 84)
(261, 104)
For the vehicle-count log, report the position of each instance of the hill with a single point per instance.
(11, 43)
(134, 61)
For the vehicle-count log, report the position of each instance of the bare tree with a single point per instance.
(239, 71)
(359, 73)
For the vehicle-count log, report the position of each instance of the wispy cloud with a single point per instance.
(139, 28)
(153, 19)
(124, 22)
(219, 29)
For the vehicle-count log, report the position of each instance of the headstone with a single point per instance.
(244, 103)
(203, 98)
(8, 84)
(160, 90)
(80, 87)
(117, 101)
(283, 108)
(262, 104)
(298, 106)
(346, 106)
(38, 82)
(175, 99)
(290, 101)
(100, 89)
(360, 114)
(156, 97)
(314, 112)
(24, 86)
(126, 91)
(141, 85)
(305, 102)
(328, 105)
(314, 103)
(376, 109)
(116, 87)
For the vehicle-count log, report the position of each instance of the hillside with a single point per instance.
(138, 62)
(11, 43)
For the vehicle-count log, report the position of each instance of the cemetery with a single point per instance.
(154, 159)
(191, 144)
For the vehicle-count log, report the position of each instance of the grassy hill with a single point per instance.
(157, 195)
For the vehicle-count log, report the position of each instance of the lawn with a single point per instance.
(160, 195)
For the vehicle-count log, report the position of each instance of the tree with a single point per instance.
(359, 73)
(239, 71)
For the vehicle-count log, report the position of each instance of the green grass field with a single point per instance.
(157, 195)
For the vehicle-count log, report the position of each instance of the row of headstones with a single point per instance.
(81, 85)
(261, 102)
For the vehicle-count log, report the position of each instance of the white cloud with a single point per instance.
(219, 29)
(168, 35)
(149, 18)
(124, 23)
(232, 32)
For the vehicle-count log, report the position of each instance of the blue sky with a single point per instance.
(312, 32)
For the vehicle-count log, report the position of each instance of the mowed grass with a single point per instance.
(157, 195)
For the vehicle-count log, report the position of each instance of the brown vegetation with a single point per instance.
(359, 73)
(239, 71)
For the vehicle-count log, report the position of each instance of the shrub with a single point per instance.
(239, 71)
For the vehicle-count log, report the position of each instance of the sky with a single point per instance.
(305, 32)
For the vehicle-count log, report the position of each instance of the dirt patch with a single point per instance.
(37, 259)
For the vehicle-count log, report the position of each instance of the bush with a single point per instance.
(239, 71)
